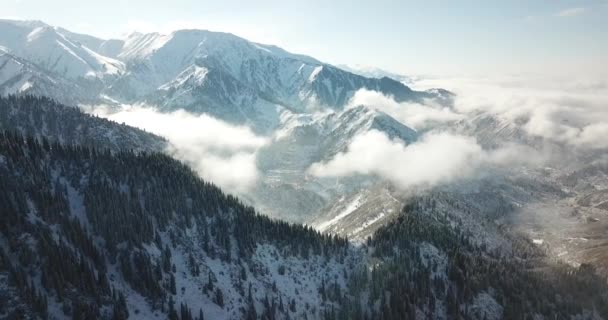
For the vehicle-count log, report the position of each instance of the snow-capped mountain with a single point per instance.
(295, 98)
(273, 91)
(217, 93)
(276, 75)
(202, 71)
(19, 76)
(53, 50)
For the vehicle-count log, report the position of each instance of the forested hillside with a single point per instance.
(44, 117)
(86, 234)
(431, 266)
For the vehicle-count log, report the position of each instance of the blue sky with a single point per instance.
(411, 37)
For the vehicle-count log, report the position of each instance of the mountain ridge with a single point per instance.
(139, 69)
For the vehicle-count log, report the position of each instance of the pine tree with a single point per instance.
(219, 297)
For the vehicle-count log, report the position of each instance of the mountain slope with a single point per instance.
(90, 234)
(244, 82)
(234, 80)
(19, 76)
(293, 81)
(288, 190)
(47, 47)
(45, 118)
(305, 139)
(146, 235)
(217, 93)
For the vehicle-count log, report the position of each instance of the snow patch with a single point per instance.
(350, 208)
(314, 73)
(76, 202)
(25, 86)
(485, 307)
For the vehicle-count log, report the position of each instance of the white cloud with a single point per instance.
(571, 12)
(565, 111)
(437, 158)
(569, 112)
(220, 152)
(414, 115)
(593, 136)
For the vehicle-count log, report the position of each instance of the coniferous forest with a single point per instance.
(92, 231)
(43, 117)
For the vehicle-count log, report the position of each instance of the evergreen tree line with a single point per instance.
(129, 199)
(404, 283)
(44, 117)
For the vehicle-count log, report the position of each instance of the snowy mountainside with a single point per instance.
(108, 48)
(44, 118)
(327, 134)
(246, 82)
(359, 214)
(358, 120)
(234, 80)
(523, 198)
(156, 245)
(214, 92)
(287, 190)
(493, 130)
(560, 205)
(19, 76)
(47, 47)
(96, 235)
(241, 74)
(570, 221)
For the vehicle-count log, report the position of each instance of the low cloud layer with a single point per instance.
(567, 111)
(437, 158)
(414, 115)
(571, 113)
(219, 152)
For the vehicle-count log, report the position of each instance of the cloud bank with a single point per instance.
(437, 158)
(565, 111)
(570, 113)
(414, 115)
(219, 152)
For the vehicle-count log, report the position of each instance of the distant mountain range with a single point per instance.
(201, 71)
(219, 74)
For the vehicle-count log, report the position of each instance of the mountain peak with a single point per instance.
(41, 32)
(249, 78)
